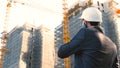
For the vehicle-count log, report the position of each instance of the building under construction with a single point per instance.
(30, 48)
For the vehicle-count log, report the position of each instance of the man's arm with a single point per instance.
(115, 63)
(73, 46)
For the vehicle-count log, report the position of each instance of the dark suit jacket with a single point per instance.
(92, 49)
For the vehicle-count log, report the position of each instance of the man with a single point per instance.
(92, 49)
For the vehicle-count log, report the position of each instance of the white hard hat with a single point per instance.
(92, 14)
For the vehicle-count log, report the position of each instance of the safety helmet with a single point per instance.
(92, 14)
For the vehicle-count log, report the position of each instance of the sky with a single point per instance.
(38, 12)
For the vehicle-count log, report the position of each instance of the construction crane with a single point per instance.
(66, 37)
(35, 5)
(115, 7)
(4, 37)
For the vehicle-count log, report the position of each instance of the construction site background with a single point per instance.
(34, 47)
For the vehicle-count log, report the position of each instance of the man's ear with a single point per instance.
(85, 22)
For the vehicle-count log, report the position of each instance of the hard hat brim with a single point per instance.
(81, 17)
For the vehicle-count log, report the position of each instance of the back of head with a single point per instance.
(92, 14)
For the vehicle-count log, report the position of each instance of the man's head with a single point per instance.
(91, 16)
